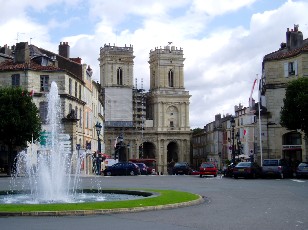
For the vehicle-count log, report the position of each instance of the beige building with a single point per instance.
(278, 68)
(34, 69)
(163, 133)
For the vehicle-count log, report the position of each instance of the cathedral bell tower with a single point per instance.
(116, 77)
(168, 103)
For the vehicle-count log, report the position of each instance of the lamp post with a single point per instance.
(239, 144)
(98, 127)
(119, 147)
(127, 156)
(232, 121)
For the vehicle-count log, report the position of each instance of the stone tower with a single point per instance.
(116, 77)
(165, 132)
(168, 105)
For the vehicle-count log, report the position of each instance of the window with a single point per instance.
(170, 78)
(80, 118)
(16, 80)
(80, 92)
(43, 111)
(87, 120)
(70, 86)
(171, 124)
(120, 76)
(76, 88)
(70, 107)
(44, 83)
(290, 68)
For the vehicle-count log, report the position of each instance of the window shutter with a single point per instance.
(295, 67)
(286, 69)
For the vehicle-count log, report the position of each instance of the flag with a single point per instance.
(31, 93)
(250, 98)
(244, 132)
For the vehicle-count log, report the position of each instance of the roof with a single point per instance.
(285, 53)
(9, 65)
(72, 66)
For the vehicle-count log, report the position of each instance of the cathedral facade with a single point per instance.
(139, 124)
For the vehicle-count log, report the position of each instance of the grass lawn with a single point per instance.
(164, 197)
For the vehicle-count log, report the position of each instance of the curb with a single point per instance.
(200, 200)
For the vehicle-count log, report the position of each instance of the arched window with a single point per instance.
(170, 78)
(119, 76)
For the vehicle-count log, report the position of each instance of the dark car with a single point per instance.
(122, 169)
(181, 168)
(207, 169)
(302, 170)
(228, 172)
(143, 168)
(276, 168)
(247, 170)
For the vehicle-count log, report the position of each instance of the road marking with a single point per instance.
(298, 180)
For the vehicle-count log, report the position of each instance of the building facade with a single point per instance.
(288, 63)
(141, 124)
(34, 69)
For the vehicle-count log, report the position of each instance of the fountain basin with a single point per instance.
(79, 196)
(153, 200)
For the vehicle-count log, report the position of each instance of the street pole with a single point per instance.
(233, 146)
(98, 127)
(232, 121)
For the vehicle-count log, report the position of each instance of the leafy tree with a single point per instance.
(197, 130)
(294, 113)
(19, 120)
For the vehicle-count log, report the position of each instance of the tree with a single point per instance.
(19, 121)
(197, 131)
(294, 113)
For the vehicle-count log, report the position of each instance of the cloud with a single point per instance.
(224, 41)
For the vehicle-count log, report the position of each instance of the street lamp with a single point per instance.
(98, 127)
(118, 147)
(239, 144)
(232, 121)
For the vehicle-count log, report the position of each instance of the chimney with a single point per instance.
(294, 38)
(22, 53)
(64, 49)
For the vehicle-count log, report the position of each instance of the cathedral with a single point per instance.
(145, 125)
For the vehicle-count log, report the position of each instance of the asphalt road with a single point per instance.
(230, 204)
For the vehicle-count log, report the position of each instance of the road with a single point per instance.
(230, 204)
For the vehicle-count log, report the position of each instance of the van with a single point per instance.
(276, 168)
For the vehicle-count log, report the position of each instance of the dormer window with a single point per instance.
(119, 76)
(170, 78)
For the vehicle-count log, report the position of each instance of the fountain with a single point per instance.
(48, 174)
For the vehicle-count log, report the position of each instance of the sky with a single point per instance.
(224, 41)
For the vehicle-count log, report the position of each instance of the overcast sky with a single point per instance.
(224, 41)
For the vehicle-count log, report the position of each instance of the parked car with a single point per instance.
(247, 170)
(302, 170)
(195, 172)
(143, 168)
(228, 172)
(208, 168)
(181, 168)
(122, 169)
(276, 168)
